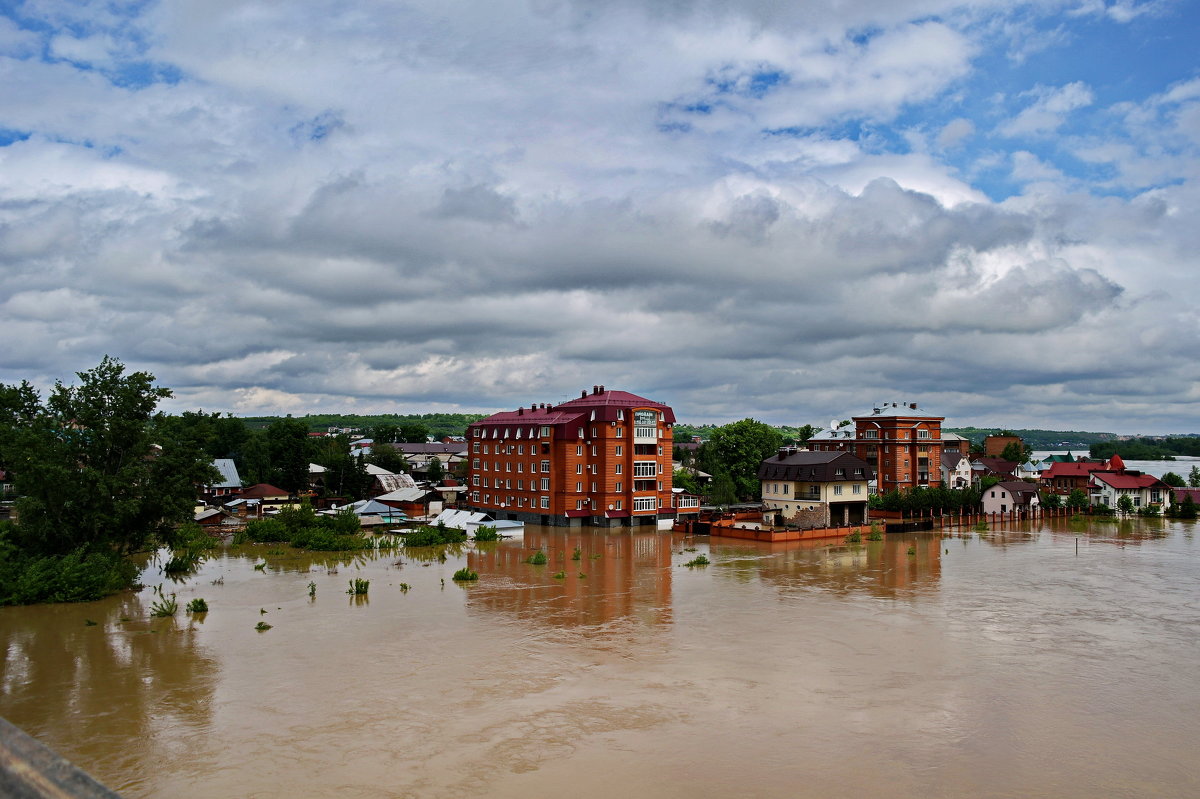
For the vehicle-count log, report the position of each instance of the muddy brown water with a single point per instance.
(1005, 666)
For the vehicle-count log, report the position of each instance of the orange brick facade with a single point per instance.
(604, 459)
(902, 444)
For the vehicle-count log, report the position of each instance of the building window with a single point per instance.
(595, 433)
(593, 488)
(579, 504)
(620, 431)
(856, 489)
(786, 486)
(645, 503)
(579, 468)
(840, 474)
(545, 503)
(593, 451)
(837, 491)
(870, 434)
(617, 468)
(581, 432)
(545, 467)
(619, 505)
(619, 450)
(579, 487)
(475, 447)
(645, 468)
(545, 431)
(579, 449)
(520, 449)
(545, 483)
(618, 486)
(475, 480)
(922, 434)
(520, 485)
(475, 463)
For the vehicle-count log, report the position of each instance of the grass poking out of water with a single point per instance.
(262, 626)
(538, 558)
(197, 605)
(312, 590)
(560, 575)
(358, 587)
(912, 550)
(404, 588)
(465, 575)
(854, 538)
(162, 608)
(699, 560)
(577, 554)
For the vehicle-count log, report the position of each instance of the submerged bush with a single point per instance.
(427, 536)
(537, 558)
(465, 574)
(699, 560)
(358, 587)
(486, 532)
(197, 605)
(80, 576)
(854, 537)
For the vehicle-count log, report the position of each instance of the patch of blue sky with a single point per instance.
(316, 128)
(9, 136)
(140, 74)
(869, 136)
(754, 83)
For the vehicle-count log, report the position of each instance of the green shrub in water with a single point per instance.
(699, 560)
(538, 558)
(358, 587)
(465, 575)
(197, 605)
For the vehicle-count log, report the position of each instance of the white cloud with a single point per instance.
(1049, 109)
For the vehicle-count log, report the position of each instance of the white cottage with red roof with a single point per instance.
(1106, 487)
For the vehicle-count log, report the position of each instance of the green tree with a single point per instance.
(1051, 501)
(805, 432)
(1194, 477)
(385, 434)
(1077, 499)
(414, 433)
(685, 479)
(287, 442)
(96, 469)
(388, 457)
(1015, 452)
(738, 449)
(1174, 480)
(435, 473)
(723, 491)
(1125, 504)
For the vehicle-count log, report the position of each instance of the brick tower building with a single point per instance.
(901, 442)
(603, 458)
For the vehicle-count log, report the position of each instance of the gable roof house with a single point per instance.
(1010, 495)
(1106, 487)
(955, 469)
(1065, 476)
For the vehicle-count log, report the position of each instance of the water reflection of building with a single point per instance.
(628, 576)
(883, 568)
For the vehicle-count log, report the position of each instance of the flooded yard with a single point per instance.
(1057, 661)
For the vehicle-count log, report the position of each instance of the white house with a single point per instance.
(1013, 495)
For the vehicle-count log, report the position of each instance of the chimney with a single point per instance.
(584, 394)
(782, 453)
(521, 411)
(601, 389)
(913, 405)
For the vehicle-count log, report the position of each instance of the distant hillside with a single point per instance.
(1037, 439)
(438, 424)
(1148, 449)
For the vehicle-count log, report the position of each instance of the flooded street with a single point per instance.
(1062, 661)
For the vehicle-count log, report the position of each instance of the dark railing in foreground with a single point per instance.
(30, 770)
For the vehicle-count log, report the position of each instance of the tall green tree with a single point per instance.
(95, 467)
(1174, 480)
(1016, 452)
(435, 472)
(738, 449)
(1194, 477)
(288, 444)
(805, 432)
(1077, 499)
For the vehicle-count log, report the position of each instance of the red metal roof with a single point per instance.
(1127, 480)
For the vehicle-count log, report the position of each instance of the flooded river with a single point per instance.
(1057, 661)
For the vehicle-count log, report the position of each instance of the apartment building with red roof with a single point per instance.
(603, 458)
(901, 442)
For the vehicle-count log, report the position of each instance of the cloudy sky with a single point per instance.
(789, 211)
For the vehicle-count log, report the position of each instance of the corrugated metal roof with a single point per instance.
(229, 474)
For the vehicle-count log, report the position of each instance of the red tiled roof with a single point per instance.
(605, 403)
(1072, 469)
(1115, 464)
